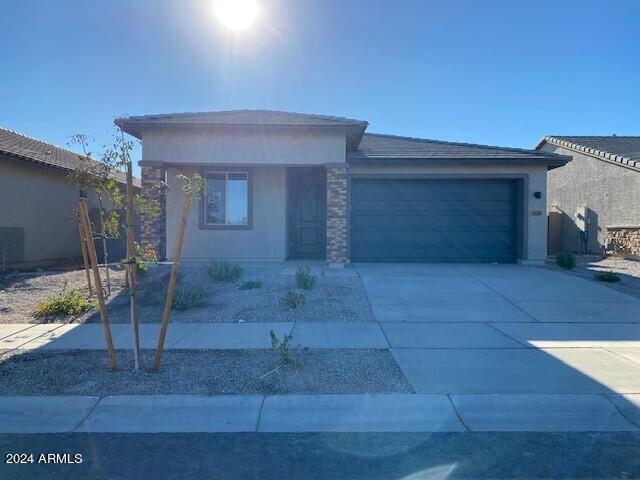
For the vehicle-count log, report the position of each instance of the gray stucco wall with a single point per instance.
(41, 201)
(275, 148)
(264, 241)
(610, 191)
(267, 239)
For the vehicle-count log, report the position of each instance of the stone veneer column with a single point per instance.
(337, 214)
(623, 241)
(153, 229)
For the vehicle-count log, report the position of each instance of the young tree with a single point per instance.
(192, 189)
(99, 176)
(119, 154)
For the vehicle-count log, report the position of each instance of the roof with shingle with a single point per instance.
(245, 117)
(624, 150)
(392, 147)
(16, 144)
(135, 125)
(361, 146)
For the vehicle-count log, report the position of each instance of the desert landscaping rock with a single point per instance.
(628, 270)
(335, 298)
(20, 292)
(200, 372)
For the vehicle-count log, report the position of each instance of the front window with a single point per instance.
(227, 198)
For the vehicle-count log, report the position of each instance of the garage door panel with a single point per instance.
(398, 190)
(431, 206)
(432, 220)
(455, 221)
(452, 255)
(433, 239)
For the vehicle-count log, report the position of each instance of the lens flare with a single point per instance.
(236, 14)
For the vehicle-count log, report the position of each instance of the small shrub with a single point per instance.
(292, 300)
(151, 297)
(224, 271)
(304, 278)
(281, 348)
(610, 277)
(141, 268)
(187, 297)
(250, 285)
(566, 260)
(69, 302)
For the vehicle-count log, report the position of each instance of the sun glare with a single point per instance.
(236, 14)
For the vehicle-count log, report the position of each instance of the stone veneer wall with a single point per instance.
(337, 214)
(623, 241)
(153, 229)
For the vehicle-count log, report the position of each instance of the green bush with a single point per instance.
(69, 302)
(304, 278)
(151, 297)
(250, 285)
(292, 300)
(224, 271)
(566, 260)
(187, 297)
(141, 268)
(610, 277)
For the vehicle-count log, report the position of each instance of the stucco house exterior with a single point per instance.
(283, 185)
(595, 199)
(37, 202)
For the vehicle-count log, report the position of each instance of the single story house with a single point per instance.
(594, 202)
(283, 185)
(37, 204)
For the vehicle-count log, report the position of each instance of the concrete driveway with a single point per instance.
(507, 329)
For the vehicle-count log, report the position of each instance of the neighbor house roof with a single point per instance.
(135, 125)
(392, 147)
(622, 150)
(21, 146)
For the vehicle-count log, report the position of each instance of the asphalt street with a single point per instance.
(327, 456)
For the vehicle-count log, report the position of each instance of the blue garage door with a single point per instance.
(396, 220)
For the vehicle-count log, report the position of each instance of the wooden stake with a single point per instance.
(172, 282)
(132, 272)
(105, 259)
(84, 216)
(85, 257)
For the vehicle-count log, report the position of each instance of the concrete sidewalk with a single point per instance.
(212, 336)
(319, 413)
(229, 336)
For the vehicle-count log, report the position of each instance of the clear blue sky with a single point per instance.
(495, 72)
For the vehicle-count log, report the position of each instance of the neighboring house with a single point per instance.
(596, 198)
(295, 186)
(37, 204)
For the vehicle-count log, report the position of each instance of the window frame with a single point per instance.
(226, 171)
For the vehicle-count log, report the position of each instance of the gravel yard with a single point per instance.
(200, 372)
(20, 292)
(336, 297)
(628, 270)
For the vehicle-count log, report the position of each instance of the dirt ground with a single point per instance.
(340, 298)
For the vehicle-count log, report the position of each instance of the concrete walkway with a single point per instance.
(396, 335)
(223, 336)
(319, 413)
(459, 293)
(505, 329)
